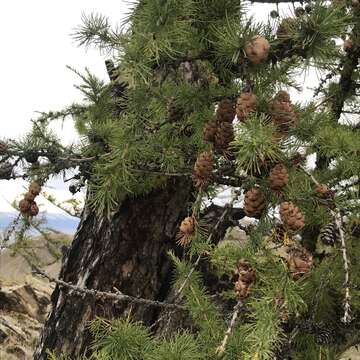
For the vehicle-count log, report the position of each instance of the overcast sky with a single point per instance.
(37, 46)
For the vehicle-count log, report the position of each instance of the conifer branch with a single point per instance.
(222, 348)
(116, 296)
(338, 222)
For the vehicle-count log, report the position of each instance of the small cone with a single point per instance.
(224, 136)
(203, 169)
(29, 196)
(34, 209)
(245, 105)
(279, 177)
(35, 188)
(187, 230)
(24, 206)
(225, 111)
(324, 192)
(291, 217)
(282, 113)
(247, 276)
(329, 234)
(254, 203)
(299, 261)
(209, 131)
(257, 50)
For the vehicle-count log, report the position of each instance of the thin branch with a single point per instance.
(338, 222)
(118, 296)
(221, 349)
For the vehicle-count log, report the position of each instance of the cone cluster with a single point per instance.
(254, 203)
(299, 261)
(245, 105)
(257, 50)
(291, 217)
(28, 205)
(247, 276)
(203, 169)
(186, 231)
(282, 114)
(279, 177)
(220, 132)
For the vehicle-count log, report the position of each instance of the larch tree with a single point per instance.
(197, 100)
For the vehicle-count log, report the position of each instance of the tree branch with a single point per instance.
(118, 296)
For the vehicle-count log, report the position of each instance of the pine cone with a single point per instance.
(35, 188)
(225, 111)
(283, 96)
(224, 136)
(281, 305)
(245, 104)
(3, 147)
(34, 209)
(254, 202)
(29, 196)
(203, 169)
(209, 131)
(279, 177)
(187, 230)
(329, 234)
(291, 217)
(247, 276)
(299, 261)
(174, 112)
(24, 206)
(257, 50)
(6, 171)
(282, 113)
(324, 192)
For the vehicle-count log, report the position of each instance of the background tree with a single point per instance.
(159, 142)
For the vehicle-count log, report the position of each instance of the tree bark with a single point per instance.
(127, 252)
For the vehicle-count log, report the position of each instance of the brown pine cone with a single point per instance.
(34, 209)
(257, 50)
(225, 111)
(209, 131)
(35, 188)
(324, 192)
(279, 177)
(291, 217)
(254, 203)
(245, 105)
(224, 136)
(299, 261)
(247, 276)
(174, 112)
(283, 96)
(24, 206)
(29, 196)
(187, 230)
(282, 114)
(203, 169)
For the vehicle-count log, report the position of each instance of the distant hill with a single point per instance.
(56, 218)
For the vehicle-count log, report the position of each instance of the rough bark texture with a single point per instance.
(129, 253)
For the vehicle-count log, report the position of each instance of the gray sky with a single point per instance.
(36, 47)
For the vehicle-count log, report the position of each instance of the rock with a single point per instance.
(24, 298)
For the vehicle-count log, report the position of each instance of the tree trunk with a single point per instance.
(127, 252)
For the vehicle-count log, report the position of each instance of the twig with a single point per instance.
(338, 222)
(118, 296)
(221, 349)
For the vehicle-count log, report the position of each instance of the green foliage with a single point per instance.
(254, 145)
